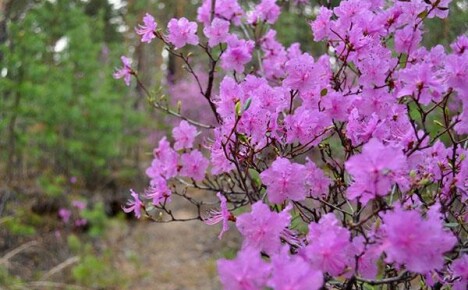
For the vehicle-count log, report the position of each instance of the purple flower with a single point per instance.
(285, 180)
(134, 205)
(182, 32)
(262, 228)
(267, 10)
(65, 214)
(222, 215)
(125, 72)
(375, 170)
(148, 29)
(460, 272)
(237, 54)
(165, 161)
(417, 243)
(293, 273)
(184, 134)
(246, 272)
(217, 32)
(79, 204)
(330, 248)
(194, 165)
(158, 191)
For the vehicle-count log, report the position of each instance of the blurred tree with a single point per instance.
(62, 111)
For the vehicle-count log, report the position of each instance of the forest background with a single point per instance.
(73, 140)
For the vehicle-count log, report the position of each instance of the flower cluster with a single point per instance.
(352, 166)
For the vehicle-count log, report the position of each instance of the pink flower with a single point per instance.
(237, 54)
(158, 191)
(222, 215)
(300, 72)
(224, 9)
(217, 32)
(182, 32)
(262, 228)
(460, 272)
(267, 11)
(79, 204)
(148, 29)
(81, 222)
(417, 243)
(293, 273)
(316, 183)
(407, 39)
(125, 72)
(184, 135)
(321, 25)
(306, 126)
(246, 272)
(134, 205)
(165, 161)
(194, 165)
(375, 170)
(330, 248)
(284, 180)
(65, 214)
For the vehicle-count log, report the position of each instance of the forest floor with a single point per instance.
(129, 254)
(170, 256)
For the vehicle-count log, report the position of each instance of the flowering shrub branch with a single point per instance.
(352, 166)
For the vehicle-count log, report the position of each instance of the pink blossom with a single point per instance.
(321, 25)
(460, 45)
(182, 32)
(266, 10)
(165, 161)
(417, 243)
(222, 215)
(148, 29)
(246, 272)
(300, 72)
(184, 134)
(306, 126)
(194, 165)
(316, 183)
(460, 272)
(125, 72)
(407, 39)
(375, 170)
(330, 249)
(225, 9)
(285, 180)
(158, 191)
(80, 205)
(64, 214)
(262, 228)
(134, 205)
(293, 273)
(81, 222)
(237, 54)
(217, 32)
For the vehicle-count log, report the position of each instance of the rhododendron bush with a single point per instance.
(351, 167)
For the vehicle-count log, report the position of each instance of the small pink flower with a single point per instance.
(148, 29)
(81, 222)
(184, 135)
(134, 205)
(79, 204)
(222, 215)
(125, 72)
(194, 165)
(217, 32)
(182, 32)
(64, 214)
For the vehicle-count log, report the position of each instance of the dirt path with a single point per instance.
(173, 256)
